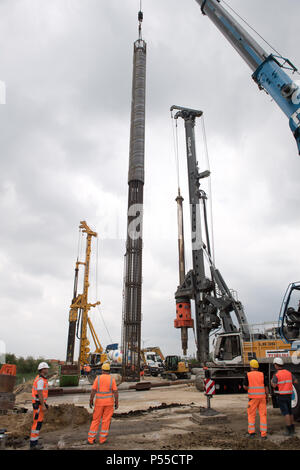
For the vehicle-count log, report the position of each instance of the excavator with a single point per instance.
(235, 345)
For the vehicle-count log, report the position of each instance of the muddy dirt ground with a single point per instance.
(158, 419)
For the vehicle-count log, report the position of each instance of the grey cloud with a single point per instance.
(64, 157)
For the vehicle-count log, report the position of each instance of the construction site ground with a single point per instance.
(156, 419)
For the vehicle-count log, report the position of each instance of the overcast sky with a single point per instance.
(67, 66)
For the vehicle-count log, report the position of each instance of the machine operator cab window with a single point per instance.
(291, 316)
(228, 348)
(95, 359)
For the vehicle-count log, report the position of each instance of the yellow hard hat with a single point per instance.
(106, 366)
(254, 364)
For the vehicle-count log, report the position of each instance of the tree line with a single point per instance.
(24, 365)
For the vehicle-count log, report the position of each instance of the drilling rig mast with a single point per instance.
(80, 307)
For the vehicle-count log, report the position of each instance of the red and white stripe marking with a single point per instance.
(210, 387)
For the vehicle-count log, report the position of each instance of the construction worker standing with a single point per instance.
(106, 391)
(142, 372)
(39, 397)
(255, 384)
(86, 369)
(283, 380)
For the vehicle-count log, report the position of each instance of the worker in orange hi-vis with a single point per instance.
(107, 397)
(86, 369)
(39, 397)
(255, 384)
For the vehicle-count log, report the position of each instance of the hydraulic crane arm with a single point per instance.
(268, 69)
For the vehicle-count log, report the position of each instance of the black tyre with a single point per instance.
(296, 400)
(199, 382)
(91, 378)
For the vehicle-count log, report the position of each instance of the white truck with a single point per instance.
(154, 362)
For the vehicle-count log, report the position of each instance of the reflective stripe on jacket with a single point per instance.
(285, 382)
(256, 387)
(35, 396)
(104, 393)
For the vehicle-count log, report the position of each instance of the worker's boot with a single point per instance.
(292, 429)
(38, 446)
(288, 431)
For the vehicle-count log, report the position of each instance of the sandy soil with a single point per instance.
(158, 419)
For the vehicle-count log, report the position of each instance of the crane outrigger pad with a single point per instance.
(208, 416)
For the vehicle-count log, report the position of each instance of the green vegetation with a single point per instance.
(26, 367)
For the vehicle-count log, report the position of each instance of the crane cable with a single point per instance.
(79, 250)
(98, 308)
(176, 152)
(209, 188)
(79, 246)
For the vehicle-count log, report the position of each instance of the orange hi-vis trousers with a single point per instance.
(38, 417)
(105, 413)
(259, 404)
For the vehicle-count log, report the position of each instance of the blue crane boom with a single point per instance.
(268, 69)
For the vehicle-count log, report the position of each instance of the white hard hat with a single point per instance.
(278, 361)
(43, 365)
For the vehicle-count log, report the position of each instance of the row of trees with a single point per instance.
(26, 365)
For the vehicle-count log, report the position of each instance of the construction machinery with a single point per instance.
(224, 346)
(214, 301)
(289, 316)
(157, 351)
(153, 359)
(169, 367)
(183, 319)
(79, 322)
(176, 368)
(269, 70)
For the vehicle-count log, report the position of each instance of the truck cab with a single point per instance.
(154, 363)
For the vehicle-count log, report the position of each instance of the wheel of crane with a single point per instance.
(296, 399)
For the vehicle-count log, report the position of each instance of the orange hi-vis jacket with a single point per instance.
(285, 382)
(256, 388)
(35, 396)
(104, 386)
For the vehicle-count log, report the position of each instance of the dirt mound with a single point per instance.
(18, 425)
(66, 415)
(23, 397)
(227, 440)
